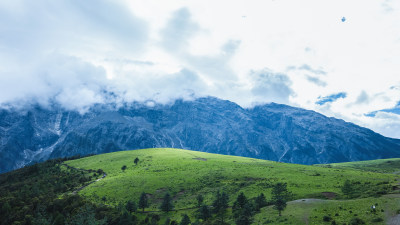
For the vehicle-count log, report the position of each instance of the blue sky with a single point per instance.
(251, 52)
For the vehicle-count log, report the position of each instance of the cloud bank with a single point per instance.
(77, 54)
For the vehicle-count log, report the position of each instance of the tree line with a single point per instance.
(243, 209)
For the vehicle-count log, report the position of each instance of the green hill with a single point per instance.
(317, 190)
(185, 174)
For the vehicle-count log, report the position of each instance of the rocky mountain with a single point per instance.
(272, 131)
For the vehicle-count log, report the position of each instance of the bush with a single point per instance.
(378, 219)
(356, 221)
(327, 218)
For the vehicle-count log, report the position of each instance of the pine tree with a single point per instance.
(185, 220)
(223, 205)
(204, 213)
(217, 203)
(200, 200)
(136, 161)
(240, 202)
(280, 196)
(167, 205)
(242, 210)
(245, 217)
(260, 202)
(131, 206)
(143, 201)
(347, 189)
(125, 218)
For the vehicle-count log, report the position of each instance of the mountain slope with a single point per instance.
(273, 131)
(64, 192)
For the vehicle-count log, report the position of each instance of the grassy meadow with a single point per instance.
(185, 174)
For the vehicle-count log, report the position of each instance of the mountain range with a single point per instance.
(270, 131)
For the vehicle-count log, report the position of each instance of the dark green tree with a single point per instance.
(131, 206)
(280, 196)
(143, 201)
(123, 168)
(167, 221)
(200, 200)
(125, 218)
(167, 205)
(85, 215)
(240, 202)
(242, 210)
(220, 204)
(185, 220)
(260, 202)
(204, 213)
(348, 189)
(216, 205)
(136, 161)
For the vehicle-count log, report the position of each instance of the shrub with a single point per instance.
(378, 219)
(327, 218)
(356, 221)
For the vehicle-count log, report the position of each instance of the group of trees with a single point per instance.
(143, 203)
(357, 189)
(124, 167)
(31, 195)
(243, 209)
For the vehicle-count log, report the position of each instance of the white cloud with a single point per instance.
(73, 52)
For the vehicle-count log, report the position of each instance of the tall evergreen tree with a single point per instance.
(348, 189)
(223, 205)
(280, 196)
(245, 217)
(260, 202)
(242, 210)
(185, 220)
(200, 200)
(216, 203)
(143, 201)
(131, 206)
(167, 205)
(240, 202)
(204, 213)
(125, 218)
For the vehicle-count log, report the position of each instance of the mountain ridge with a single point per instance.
(271, 131)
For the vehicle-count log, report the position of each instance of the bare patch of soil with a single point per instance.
(329, 195)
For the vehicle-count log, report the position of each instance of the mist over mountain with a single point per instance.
(271, 131)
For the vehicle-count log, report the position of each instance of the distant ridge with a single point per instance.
(272, 131)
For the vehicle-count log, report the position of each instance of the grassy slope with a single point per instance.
(186, 173)
(379, 166)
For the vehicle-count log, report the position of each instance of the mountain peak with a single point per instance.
(271, 131)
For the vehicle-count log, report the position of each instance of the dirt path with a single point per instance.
(84, 186)
(395, 220)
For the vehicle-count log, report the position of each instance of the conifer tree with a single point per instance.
(167, 205)
(185, 220)
(280, 196)
(143, 201)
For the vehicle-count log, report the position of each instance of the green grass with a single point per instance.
(379, 165)
(185, 174)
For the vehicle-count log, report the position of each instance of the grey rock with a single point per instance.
(272, 131)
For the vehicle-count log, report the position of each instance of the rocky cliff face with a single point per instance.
(273, 131)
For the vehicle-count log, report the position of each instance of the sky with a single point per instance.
(340, 58)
